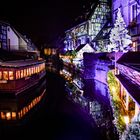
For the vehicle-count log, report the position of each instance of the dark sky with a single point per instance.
(41, 20)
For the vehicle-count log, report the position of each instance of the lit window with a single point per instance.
(14, 115)
(2, 115)
(8, 115)
(18, 74)
(21, 73)
(32, 70)
(134, 46)
(5, 75)
(36, 70)
(0, 75)
(19, 115)
(11, 75)
(25, 73)
(29, 70)
(24, 111)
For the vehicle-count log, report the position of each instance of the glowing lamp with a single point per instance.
(8, 115)
(113, 89)
(126, 119)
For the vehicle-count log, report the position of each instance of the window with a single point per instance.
(11, 75)
(5, 75)
(134, 45)
(8, 29)
(21, 73)
(36, 69)
(18, 74)
(25, 73)
(134, 12)
(2, 115)
(29, 71)
(32, 69)
(14, 115)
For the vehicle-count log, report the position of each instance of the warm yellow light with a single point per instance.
(13, 115)
(126, 119)
(8, 115)
(2, 115)
(113, 89)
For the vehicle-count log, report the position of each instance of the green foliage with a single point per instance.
(73, 53)
(118, 111)
(112, 82)
(121, 124)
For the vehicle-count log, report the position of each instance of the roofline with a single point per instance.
(76, 26)
(6, 23)
(19, 34)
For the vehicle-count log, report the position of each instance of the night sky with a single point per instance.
(42, 21)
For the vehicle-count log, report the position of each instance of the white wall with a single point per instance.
(86, 48)
(22, 44)
(14, 40)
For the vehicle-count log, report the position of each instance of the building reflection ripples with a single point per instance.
(17, 107)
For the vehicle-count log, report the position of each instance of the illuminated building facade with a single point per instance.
(86, 31)
(130, 10)
(128, 77)
(50, 51)
(17, 79)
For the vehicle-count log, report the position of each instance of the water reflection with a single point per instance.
(93, 97)
(18, 107)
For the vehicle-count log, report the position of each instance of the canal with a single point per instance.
(54, 118)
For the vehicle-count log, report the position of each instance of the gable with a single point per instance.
(87, 48)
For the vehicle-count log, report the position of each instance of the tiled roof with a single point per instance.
(19, 63)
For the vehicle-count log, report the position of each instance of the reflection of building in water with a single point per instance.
(17, 79)
(15, 108)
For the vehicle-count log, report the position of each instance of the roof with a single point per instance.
(130, 59)
(80, 47)
(4, 23)
(101, 34)
(131, 87)
(85, 16)
(19, 34)
(20, 63)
